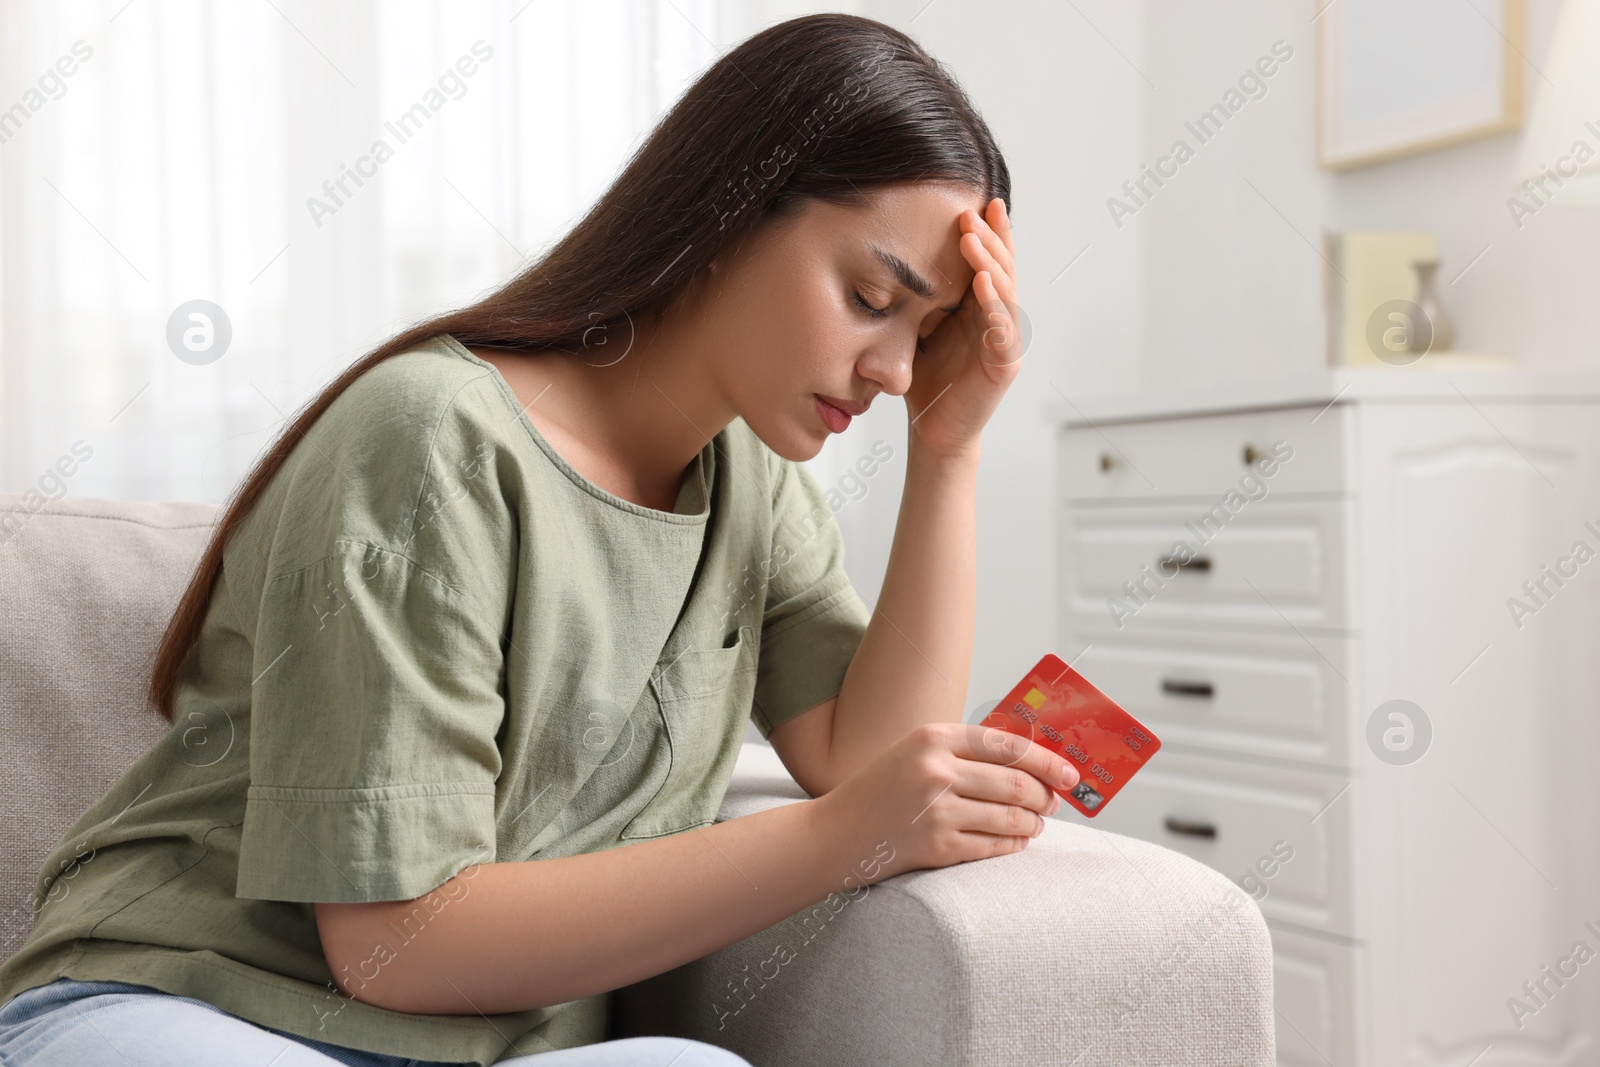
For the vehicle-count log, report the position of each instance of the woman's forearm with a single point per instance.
(913, 663)
(502, 937)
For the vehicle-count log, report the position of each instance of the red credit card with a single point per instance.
(1055, 707)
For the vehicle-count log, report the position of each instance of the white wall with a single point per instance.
(1230, 287)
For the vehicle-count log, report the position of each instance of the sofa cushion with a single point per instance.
(89, 586)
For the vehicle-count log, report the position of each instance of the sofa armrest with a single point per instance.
(1085, 949)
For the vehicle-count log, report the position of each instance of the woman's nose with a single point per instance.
(891, 370)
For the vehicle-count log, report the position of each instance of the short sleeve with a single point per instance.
(372, 740)
(813, 620)
(378, 666)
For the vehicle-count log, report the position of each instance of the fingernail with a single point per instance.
(1068, 774)
(1055, 805)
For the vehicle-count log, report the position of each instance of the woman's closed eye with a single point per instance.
(877, 313)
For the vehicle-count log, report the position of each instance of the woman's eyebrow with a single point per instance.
(907, 276)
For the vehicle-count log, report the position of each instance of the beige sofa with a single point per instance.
(1086, 949)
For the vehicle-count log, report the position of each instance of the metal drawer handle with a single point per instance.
(1177, 688)
(1197, 563)
(1191, 829)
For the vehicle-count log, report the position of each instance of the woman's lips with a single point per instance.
(836, 420)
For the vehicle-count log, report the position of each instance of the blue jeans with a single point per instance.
(68, 1023)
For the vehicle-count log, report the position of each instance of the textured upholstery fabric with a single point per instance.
(1086, 949)
(86, 588)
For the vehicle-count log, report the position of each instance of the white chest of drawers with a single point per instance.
(1406, 514)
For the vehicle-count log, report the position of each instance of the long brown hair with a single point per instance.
(823, 106)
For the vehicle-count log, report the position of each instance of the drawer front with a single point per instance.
(1314, 994)
(1207, 455)
(1269, 564)
(1254, 824)
(1262, 695)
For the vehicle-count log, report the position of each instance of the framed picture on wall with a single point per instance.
(1397, 77)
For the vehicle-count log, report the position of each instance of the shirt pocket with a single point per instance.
(703, 698)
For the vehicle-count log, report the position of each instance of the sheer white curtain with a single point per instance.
(321, 172)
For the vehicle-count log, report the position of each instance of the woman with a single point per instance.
(472, 649)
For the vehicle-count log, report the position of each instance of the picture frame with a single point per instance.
(1400, 77)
